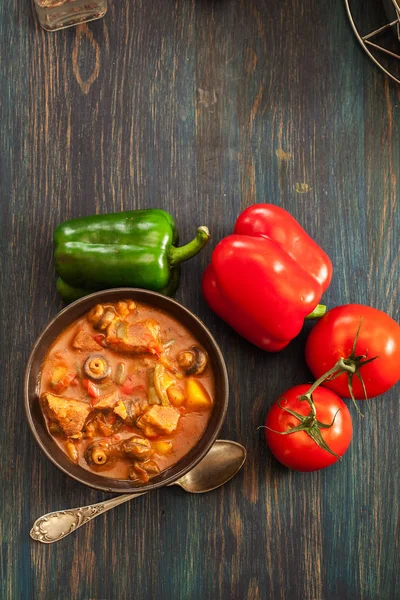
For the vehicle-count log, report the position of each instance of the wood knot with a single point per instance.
(83, 34)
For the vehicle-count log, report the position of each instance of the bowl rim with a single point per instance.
(220, 366)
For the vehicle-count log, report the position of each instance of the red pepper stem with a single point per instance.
(339, 367)
(178, 255)
(318, 312)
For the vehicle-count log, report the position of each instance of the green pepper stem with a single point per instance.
(178, 255)
(318, 312)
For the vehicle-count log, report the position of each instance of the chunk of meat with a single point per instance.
(136, 338)
(102, 424)
(68, 413)
(84, 341)
(125, 308)
(107, 402)
(158, 420)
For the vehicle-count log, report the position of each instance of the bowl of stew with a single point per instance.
(125, 390)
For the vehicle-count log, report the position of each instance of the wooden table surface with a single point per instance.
(202, 107)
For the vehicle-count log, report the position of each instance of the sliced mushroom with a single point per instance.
(107, 319)
(193, 361)
(143, 471)
(137, 473)
(151, 467)
(97, 453)
(137, 447)
(96, 367)
(101, 316)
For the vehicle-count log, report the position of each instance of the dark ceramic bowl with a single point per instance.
(65, 318)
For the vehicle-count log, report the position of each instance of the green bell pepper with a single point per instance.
(136, 248)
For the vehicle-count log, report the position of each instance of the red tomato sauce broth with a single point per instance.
(149, 337)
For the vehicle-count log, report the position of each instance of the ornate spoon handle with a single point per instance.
(57, 525)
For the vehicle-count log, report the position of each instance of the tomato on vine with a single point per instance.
(356, 349)
(308, 429)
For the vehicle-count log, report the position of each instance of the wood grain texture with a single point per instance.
(202, 107)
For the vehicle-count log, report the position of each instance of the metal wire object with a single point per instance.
(376, 24)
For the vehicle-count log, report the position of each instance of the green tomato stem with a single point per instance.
(339, 367)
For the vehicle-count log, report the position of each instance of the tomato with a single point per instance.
(298, 450)
(128, 386)
(92, 390)
(333, 336)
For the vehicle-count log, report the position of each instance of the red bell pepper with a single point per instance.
(100, 339)
(267, 277)
(128, 386)
(92, 389)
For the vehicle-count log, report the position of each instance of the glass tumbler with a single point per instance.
(58, 14)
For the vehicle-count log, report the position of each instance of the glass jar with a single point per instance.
(58, 14)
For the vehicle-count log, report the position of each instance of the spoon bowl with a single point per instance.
(221, 463)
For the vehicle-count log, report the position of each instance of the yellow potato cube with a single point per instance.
(197, 397)
(57, 374)
(176, 395)
(121, 411)
(162, 447)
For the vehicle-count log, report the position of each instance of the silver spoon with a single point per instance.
(219, 465)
